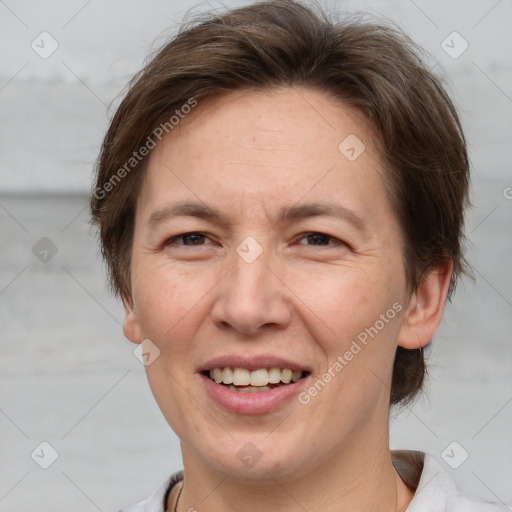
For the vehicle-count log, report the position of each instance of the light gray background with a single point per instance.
(68, 377)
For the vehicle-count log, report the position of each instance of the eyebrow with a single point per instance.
(286, 214)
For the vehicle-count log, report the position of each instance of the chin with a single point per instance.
(254, 458)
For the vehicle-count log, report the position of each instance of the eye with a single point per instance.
(194, 238)
(319, 239)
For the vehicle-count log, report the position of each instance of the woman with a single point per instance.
(280, 202)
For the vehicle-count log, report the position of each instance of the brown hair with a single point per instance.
(370, 66)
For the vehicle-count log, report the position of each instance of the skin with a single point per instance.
(249, 154)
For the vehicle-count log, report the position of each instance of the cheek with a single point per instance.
(168, 303)
(359, 317)
(346, 301)
(167, 300)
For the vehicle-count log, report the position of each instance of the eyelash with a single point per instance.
(314, 233)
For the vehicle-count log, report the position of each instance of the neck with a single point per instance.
(355, 477)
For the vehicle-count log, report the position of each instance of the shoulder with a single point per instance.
(156, 501)
(435, 490)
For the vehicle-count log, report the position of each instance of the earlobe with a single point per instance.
(425, 310)
(131, 328)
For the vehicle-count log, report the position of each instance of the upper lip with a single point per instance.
(252, 363)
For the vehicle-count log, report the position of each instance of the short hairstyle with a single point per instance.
(371, 66)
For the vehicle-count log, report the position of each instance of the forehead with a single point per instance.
(270, 147)
(289, 120)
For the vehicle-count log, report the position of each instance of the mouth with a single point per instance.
(253, 384)
(243, 380)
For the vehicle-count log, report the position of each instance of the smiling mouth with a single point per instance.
(255, 381)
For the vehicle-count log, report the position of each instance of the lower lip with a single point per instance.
(251, 403)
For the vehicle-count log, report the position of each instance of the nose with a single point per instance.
(252, 297)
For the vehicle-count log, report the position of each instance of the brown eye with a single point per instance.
(187, 239)
(319, 239)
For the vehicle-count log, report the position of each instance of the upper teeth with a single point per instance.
(261, 377)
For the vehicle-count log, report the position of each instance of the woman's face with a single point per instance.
(269, 284)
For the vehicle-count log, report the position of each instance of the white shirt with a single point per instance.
(435, 490)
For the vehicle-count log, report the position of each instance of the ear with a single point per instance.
(425, 309)
(131, 327)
